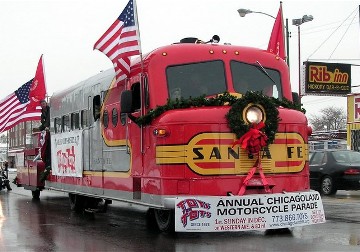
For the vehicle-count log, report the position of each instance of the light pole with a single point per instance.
(243, 12)
(297, 22)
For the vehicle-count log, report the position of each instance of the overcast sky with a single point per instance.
(66, 30)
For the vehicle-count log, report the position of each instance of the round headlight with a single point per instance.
(254, 115)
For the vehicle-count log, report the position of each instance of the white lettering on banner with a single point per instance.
(66, 158)
(250, 212)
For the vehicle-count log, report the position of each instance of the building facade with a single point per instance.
(19, 138)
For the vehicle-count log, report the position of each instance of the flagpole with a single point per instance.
(140, 51)
(142, 112)
(287, 43)
(7, 145)
(138, 34)
(287, 34)
(43, 69)
(137, 30)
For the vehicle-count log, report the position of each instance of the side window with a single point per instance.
(146, 92)
(54, 126)
(318, 158)
(57, 123)
(114, 117)
(106, 118)
(123, 118)
(65, 123)
(75, 121)
(96, 107)
(136, 98)
(84, 118)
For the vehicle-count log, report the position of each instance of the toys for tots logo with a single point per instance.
(193, 209)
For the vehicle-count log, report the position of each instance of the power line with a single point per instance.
(342, 38)
(326, 26)
(311, 31)
(332, 33)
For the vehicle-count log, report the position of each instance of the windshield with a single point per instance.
(192, 80)
(248, 77)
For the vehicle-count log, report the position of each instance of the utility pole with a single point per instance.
(287, 43)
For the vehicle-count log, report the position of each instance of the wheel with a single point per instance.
(165, 220)
(35, 194)
(327, 186)
(151, 223)
(280, 231)
(91, 203)
(76, 202)
(7, 184)
(103, 206)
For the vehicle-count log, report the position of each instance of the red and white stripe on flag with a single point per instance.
(121, 41)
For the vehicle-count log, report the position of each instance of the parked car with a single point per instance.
(332, 170)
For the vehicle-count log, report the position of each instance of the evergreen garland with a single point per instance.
(196, 102)
(288, 104)
(234, 116)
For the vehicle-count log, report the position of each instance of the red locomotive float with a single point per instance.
(168, 138)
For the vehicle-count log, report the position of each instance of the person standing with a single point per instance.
(45, 128)
(45, 116)
(6, 171)
(6, 167)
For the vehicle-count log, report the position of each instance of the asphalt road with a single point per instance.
(49, 225)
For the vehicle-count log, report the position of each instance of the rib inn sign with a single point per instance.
(327, 78)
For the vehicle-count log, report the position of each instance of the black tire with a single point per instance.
(76, 202)
(35, 194)
(280, 231)
(7, 184)
(103, 206)
(327, 186)
(91, 203)
(151, 223)
(165, 220)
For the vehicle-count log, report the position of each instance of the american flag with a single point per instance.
(24, 104)
(121, 41)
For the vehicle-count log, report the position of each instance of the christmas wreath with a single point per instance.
(239, 126)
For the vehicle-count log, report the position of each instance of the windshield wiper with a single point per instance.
(264, 71)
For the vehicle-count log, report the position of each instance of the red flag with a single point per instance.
(23, 104)
(121, 41)
(38, 88)
(277, 40)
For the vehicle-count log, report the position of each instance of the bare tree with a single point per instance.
(329, 118)
(3, 138)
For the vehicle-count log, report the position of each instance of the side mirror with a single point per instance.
(295, 97)
(126, 101)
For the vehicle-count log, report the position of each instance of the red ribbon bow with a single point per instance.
(254, 139)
